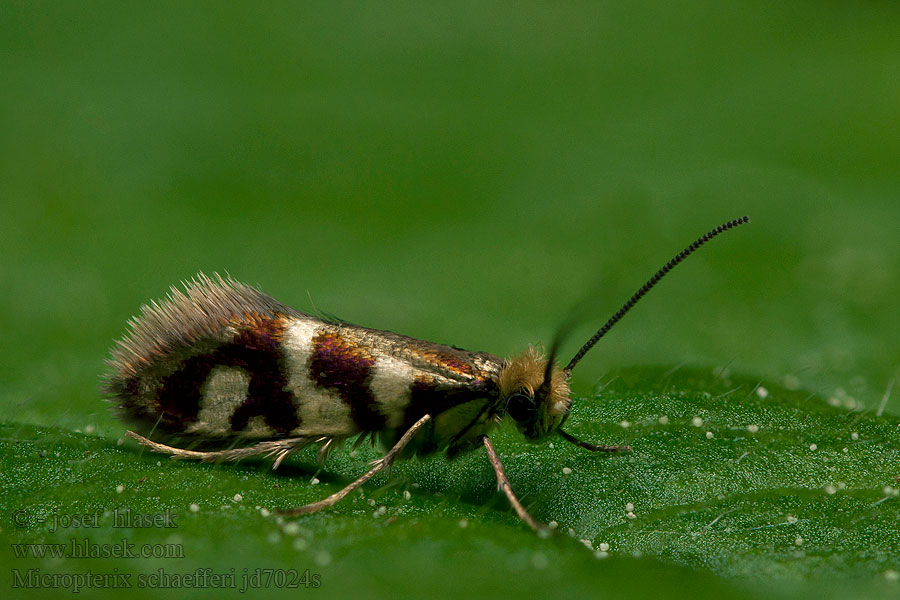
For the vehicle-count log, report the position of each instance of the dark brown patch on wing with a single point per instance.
(341, 365)
(267, 395)
(428, 396)
(256, 349)
(424, 399)
(179, 396)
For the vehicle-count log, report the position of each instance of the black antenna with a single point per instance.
(648, 286)
(544, 389)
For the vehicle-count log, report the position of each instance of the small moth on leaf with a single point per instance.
(226, 368)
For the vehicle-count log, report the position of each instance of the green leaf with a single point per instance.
(728, 477)
(463, 173)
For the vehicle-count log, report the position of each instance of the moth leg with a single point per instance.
(379, 465)
(592, 447)
(281, 449)
(503, 484)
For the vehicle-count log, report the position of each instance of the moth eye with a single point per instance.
(521, 407)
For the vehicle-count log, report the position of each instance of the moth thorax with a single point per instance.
(536, 408)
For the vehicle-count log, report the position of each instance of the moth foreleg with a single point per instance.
(381, 464)
(503, 484)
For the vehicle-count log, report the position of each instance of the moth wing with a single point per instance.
(223, 360)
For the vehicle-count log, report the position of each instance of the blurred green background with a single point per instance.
(465, 173)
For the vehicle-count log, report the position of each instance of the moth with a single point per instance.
(232, 373)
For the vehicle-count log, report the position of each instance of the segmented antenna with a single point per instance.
(648, 286)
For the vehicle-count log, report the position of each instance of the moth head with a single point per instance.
(535, 394)
(535, 391)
